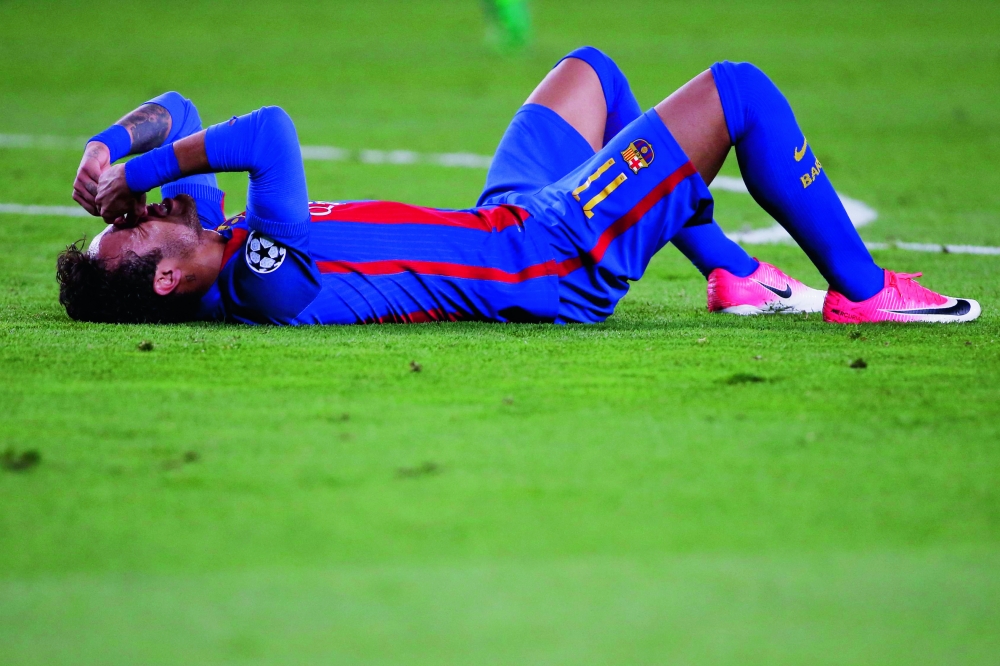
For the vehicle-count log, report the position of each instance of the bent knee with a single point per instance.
(741, 73)
(604, 66)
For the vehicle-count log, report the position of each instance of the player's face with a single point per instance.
(171, 227)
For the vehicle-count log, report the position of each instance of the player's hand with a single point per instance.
(96, 159)
(115, 202)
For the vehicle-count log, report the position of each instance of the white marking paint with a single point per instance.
(936, 247)
(57, 211)
(42, 141)
(328, 153)
(860, 213)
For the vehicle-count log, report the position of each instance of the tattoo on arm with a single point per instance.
(93, 150)
(149, 125)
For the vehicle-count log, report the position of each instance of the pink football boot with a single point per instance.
(902, 299)
(765, 291)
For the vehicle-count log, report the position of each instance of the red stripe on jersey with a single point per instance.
(440, 268)
(233, 245)
(418, 317)
(627, 221)
(389, 212)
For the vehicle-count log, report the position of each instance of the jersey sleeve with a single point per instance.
(271, 282)
(275, 278)
(203, 187)
(265, 145)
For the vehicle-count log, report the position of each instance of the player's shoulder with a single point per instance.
(264, 279)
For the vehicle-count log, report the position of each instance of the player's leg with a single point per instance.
(539, 145)
(761, 288)
(589, 91)
(573, 90)
(763, 131)
(736, 104)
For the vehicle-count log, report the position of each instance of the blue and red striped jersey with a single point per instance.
(362, 262)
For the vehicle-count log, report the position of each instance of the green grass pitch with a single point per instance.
(669, 487)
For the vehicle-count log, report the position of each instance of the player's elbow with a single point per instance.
(172, 98)
(274, 121)
(276, 138)
(275, 114)
(184, 117)
(749, 72)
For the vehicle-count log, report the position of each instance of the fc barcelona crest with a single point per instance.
(638, 155)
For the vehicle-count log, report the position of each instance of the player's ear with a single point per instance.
(168, 276)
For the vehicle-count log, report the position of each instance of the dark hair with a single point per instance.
(90, 291)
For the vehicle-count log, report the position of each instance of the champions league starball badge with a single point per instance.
(263, 255)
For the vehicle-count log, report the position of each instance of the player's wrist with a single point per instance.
(116, 140)
(155, 168)
(97, 150)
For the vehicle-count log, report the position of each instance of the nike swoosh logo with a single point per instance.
(787, 293)
(960, 308)
(800, 153)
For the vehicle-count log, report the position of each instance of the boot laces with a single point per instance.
(908, 287)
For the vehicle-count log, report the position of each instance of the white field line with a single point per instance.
(860, 213)
(42, 141)
(55, 211)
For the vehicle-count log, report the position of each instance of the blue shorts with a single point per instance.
(606, 214)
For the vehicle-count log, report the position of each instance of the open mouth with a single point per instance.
(163, 209)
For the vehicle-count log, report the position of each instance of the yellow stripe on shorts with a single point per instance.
(594, 176)
(588, 208)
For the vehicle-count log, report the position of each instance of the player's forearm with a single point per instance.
(168, 163)
(263, 143)
(148, 126)
(139, 131)
(191, 155)
(161, 120)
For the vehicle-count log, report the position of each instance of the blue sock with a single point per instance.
(709, 248)
(704, 245)
(788, 182)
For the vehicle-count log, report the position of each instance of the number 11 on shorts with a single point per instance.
(588, 208)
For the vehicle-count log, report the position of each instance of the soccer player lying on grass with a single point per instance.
(584, 189)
